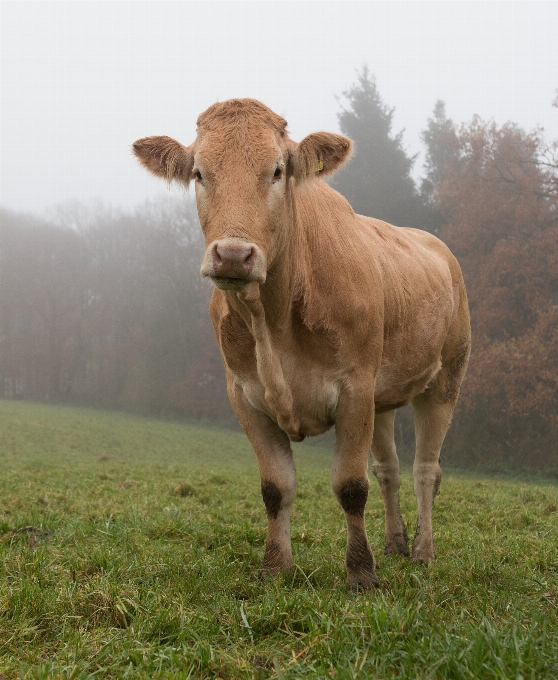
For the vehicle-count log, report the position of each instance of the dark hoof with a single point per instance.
(362, 584)
(422, 560)
(424, 549)
(275, 560)
(275, 570)
(423, 556)
(266, 573)
(398, 545)
(269, 575)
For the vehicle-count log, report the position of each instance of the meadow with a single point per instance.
(131, 547)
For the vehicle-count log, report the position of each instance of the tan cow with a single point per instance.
(324, 318)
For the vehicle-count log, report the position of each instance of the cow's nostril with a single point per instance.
(216, 255)
(249, 257)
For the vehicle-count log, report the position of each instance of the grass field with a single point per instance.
(131, 547)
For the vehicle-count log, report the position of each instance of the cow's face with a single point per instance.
(244, 167)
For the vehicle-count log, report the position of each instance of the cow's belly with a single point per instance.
(396, 387)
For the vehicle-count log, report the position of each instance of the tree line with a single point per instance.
(105, 307)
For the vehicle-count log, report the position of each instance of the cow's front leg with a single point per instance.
(278, 480)
(349, 478)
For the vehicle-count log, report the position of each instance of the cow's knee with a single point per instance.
(352, 495)
(276, 497)
(272, 498)
(428, 477)
(388, 475)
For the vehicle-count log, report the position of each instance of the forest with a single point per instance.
(104, 307)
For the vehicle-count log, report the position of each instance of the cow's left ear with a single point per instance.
(165, 157)
(321, 153)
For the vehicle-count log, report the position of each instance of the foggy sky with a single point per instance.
(82, 80)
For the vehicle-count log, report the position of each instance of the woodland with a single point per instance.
(104, 307)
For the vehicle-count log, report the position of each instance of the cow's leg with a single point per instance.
(431, 423)
(349, 478)
(433, 411)
(278, 480)
(386, 469)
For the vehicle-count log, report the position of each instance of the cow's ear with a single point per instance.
(320, 154)
(165, 157)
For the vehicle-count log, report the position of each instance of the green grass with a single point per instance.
(131, 548)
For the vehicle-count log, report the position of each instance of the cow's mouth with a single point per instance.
(229, 282)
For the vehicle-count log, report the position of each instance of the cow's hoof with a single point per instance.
(275, 571)
(277, 560)
(423, 555)
(267, 573)
(362, 583)
(417, 559)
(397, 545)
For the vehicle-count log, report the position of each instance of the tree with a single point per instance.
(107, 308)
(377, 182)
(501, 221)
(441, 144)
(40, 307)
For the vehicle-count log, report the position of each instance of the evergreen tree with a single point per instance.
(440, 139)
(377, 182)
(441, 144)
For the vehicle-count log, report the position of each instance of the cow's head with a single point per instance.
(244, 166)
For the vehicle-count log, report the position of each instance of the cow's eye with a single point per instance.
(277, 174)
(198, 176)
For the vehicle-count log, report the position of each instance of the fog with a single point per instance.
(101, 302)
(81, 81)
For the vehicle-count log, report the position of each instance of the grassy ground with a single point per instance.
(131, 548)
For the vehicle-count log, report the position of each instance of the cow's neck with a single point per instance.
(307, 263)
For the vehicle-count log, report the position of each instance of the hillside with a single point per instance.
(131, 547)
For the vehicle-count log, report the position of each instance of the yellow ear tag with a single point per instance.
(319, 166)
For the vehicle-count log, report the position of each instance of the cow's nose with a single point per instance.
(233, 260)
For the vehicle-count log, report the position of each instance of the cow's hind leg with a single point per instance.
(278, 481)
(386, 469)
(433, 411)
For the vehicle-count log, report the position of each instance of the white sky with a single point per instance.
(82, 80)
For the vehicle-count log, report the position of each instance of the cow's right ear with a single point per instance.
(165, 157)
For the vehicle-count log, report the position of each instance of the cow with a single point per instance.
(324, 318)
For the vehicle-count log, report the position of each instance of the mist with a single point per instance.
(453, 109)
